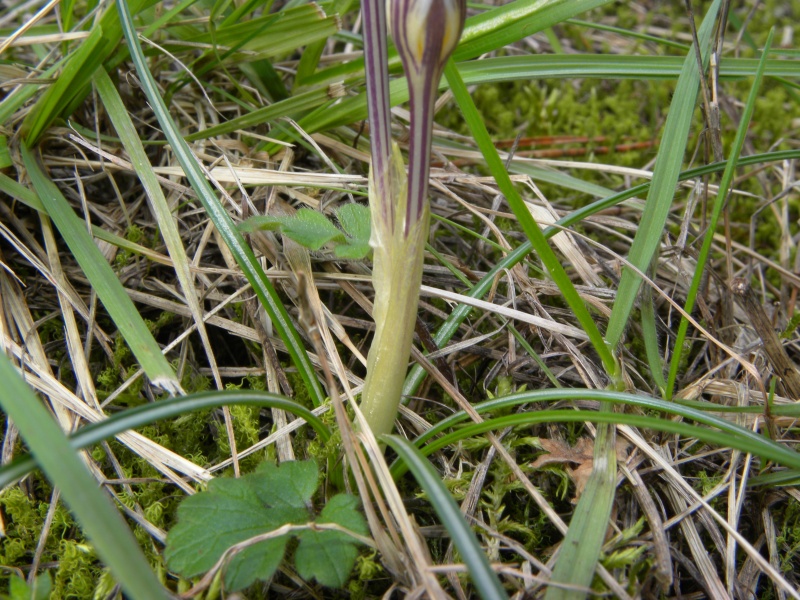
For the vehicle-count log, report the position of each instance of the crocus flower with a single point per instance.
(425, 32)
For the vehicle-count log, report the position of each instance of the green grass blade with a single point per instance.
(480, 571)
(483, 32)
(164, 19)
(532, 231)
(158, 203)
(607, 66)
(72, 84)
(459, 313)
(665, 178)
(53, 100)
(30, 199)
(514, 21)
(542, 66)
(637, 35)
(92, 508)
(14, 101)
(724, 186)
(102, 278)
(581, 548)
(290, 107)
(241, 251)
(167, 409)
(650, 338)
(717, 430)
(723, 437)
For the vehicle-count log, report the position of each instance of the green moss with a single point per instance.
(788, 538)
(24, 517)
(78, 571)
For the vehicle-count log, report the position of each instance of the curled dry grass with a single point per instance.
(688, 519)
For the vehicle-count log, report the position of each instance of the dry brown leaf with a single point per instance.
(581, 454)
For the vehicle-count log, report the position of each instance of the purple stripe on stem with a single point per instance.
(377, 76)
(425, 32)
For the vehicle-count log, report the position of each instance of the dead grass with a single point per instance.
(685, 524)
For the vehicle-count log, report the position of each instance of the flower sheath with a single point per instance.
(425, 33)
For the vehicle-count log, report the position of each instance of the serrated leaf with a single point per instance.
(259, 561)
(311, 229)
(234, 510)
(328, 556)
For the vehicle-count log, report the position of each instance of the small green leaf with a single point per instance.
(260, 223)
(291, 485)
(356, 222)
(328, 556)
(235, 510)
(311, 229)
(352, 251)
(357, 225)
(231, 511)
(18, 589)
(5, 155)
(259, 561)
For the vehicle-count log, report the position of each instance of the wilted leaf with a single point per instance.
(581, 455)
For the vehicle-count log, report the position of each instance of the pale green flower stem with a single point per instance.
(425, 33)
(397, 275)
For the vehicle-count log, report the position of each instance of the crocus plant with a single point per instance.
(425, 33)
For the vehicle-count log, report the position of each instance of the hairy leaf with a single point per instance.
(314, 230)
(234, 510)
(355, 221)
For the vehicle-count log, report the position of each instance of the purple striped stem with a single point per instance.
(373, 14)
(425, 32)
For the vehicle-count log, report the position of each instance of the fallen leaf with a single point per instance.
(581, 454)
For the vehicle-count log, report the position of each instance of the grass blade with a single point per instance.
(92, 509)
(72, 84)
(102, 278)
(580, 550)
(514, 21)
(542, 66)
(459, 314)
(529, 226)
(724, 433)
(290, 107)
(166, 222)
(480, 571)
(724, 186)
(665, 178)
(52, 101)
(167, 409)
(222, 221)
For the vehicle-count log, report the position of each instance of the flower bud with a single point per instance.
(426, 32)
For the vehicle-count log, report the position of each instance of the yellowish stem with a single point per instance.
(396, 277)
